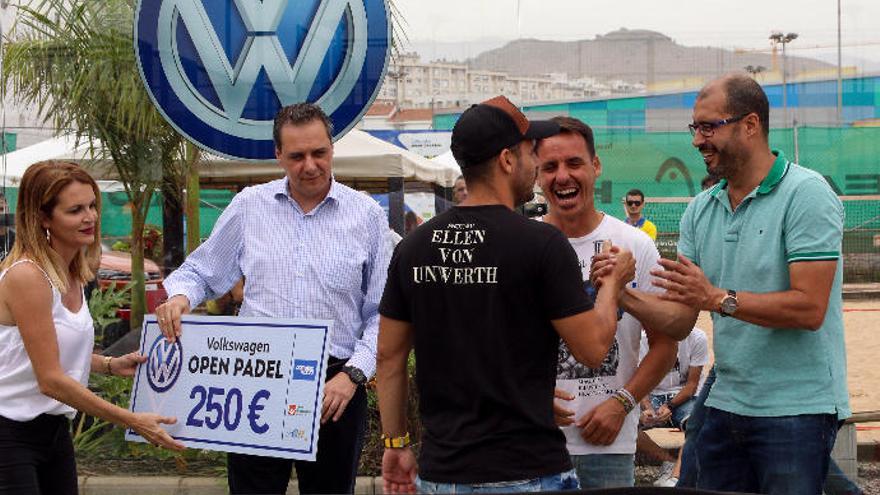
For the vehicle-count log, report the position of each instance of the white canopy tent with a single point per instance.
(356, 155)
(13, 164)
(447, 160)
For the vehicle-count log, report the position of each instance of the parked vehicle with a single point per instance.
(115, 269)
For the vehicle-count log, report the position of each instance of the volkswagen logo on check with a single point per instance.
(164, 362)
(219, 70)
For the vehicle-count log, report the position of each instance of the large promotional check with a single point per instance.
(246, 385)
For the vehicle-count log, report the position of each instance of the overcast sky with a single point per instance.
(730, 24)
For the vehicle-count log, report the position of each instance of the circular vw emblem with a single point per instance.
(164, 363)
(219, 70)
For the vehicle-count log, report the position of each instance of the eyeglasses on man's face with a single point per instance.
(633, 202)
(707, 129)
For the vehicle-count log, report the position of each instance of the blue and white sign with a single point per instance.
(164, 364)
(246, 385)
(427, 143)
(219, 70)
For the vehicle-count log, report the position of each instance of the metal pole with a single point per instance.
(5, 247)
(784, 90)
(839, 71)
(2, 91)
(193, 196)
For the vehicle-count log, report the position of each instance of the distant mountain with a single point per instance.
(635, 56)
(457, 51)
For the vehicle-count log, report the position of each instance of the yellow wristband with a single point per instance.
(107, 369)
(396, 442)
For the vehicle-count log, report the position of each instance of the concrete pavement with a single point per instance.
(187, 485)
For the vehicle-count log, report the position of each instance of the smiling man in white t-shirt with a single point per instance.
(596, 407)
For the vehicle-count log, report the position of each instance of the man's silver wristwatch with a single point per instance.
(728, 304)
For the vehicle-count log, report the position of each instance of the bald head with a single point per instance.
(744, 96)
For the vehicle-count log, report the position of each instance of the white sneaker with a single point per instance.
(665, 474)
(666, 481)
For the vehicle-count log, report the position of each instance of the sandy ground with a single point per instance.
(861, 321)
(862, 325)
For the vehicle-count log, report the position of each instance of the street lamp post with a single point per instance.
(839, 72)
(784, 39)
(3, 145)
(754, 71)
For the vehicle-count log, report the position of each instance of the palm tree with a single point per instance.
(74, 63)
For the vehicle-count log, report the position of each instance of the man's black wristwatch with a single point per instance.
(355, 374)
(728, 304)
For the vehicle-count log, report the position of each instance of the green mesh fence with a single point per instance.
(116, 215)
(665, 165)
(668, 169)
(7, 142)
(861, 236)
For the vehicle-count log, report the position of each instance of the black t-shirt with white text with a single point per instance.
(480, 285)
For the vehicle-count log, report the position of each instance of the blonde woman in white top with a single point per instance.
(46, 334)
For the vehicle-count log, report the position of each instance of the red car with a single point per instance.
(115, 269)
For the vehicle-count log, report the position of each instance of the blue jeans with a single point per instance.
(687, 477)
(680, 414)
(555, 482)
(786, 455)
(605, 470)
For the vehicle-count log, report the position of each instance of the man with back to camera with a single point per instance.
(484, 294)
(600, 429)
(761, 251)
(634, 203)
(309, 247)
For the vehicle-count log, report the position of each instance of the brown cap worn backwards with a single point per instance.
(485, 129)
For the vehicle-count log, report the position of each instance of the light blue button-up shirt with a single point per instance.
(329, 263)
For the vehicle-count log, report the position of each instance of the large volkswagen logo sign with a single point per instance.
(219, 70)
(164, 362)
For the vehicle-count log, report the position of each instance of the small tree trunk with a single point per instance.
(138, 293)
(193, 193)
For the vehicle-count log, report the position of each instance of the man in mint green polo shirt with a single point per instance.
(761, 251)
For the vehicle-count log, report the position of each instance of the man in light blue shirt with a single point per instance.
(761, 250)
(307, 247)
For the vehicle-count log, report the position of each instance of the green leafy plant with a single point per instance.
(91, 434)
(121, 246)
(103, 305)
(371, 456)
(96, 441)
